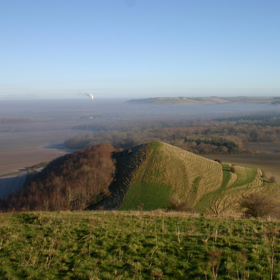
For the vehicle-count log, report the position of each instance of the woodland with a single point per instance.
(200, 136)
(71, 182)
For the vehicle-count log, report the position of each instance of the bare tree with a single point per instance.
(179, 205)
(257, 205)
(232, 169)
(272, 179)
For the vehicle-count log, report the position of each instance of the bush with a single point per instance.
(179, 205)
(218, 160)
(272, 179)
(257, 205)
(232, 169)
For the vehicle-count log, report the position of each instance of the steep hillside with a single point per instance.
(148, 175)
(170, 171)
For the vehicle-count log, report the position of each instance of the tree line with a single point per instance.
(197, 136)
(13, 120)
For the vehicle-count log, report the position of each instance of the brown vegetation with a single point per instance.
(219, 136)
(232, 169)
(71, 182)
(257, 205)
(179, 205)
(272, 179)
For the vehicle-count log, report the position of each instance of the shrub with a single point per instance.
(257, 205)
(232, 169)
(179, 205)
(218, 160)
(272, 179)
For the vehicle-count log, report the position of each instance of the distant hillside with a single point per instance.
(148, 175)
(205, 100)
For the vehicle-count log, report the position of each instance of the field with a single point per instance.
(136, 245)
(268, 162)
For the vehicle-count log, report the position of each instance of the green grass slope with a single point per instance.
(148, 175)
(138, 245)
(169, 171)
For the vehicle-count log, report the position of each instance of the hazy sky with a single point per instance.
(139, 48)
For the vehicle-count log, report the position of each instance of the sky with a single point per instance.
(139, 48)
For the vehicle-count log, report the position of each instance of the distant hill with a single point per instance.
(205, 100)
(147, 177)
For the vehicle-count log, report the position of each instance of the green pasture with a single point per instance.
(136, 245)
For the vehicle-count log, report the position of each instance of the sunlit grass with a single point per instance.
(136, 245)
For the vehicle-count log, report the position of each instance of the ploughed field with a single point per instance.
(136, 245)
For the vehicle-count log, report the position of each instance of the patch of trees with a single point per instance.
(195, 138)
(135, 137)
(217, 136)
(12, 120)
(267, 119)
(71, 182)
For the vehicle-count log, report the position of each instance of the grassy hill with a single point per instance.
(148, 175)
(205, 100)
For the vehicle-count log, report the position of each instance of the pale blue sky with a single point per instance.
(139, 48)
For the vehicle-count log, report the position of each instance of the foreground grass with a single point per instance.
(136, 245)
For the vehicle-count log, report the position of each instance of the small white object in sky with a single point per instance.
(90, 95)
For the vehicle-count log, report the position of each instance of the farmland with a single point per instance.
(268, 162)
(136, 245)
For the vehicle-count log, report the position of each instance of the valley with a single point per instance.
(166, 209)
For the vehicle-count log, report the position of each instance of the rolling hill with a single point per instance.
(205, 100)
(148, 175)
